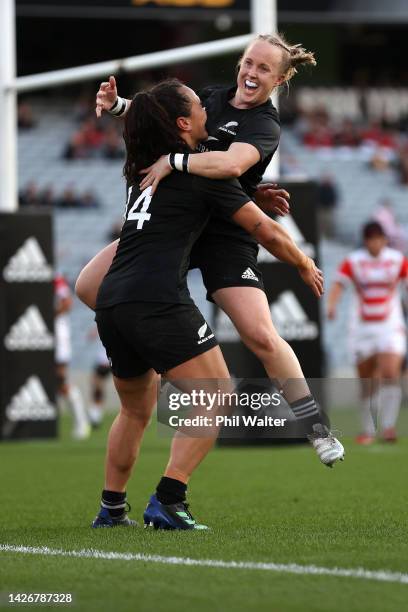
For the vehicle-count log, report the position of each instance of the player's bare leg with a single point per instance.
(187, 453)
(389, 368)
(138, 397)
(167, 508)
(91, 276)
(369, 383)
(73, 397)
(248, 309)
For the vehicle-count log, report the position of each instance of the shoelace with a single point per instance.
(186, 505)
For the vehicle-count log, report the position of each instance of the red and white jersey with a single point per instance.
(376, 280)
(61, 287)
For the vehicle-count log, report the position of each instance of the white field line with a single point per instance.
(291, 568)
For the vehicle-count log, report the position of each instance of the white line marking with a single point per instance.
(291, 568)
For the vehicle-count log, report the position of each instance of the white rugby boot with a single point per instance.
(327, 447)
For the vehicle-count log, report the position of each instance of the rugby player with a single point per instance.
(63, 352)
(146, 318)
(377, 330)
(243, 128)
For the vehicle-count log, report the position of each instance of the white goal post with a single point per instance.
(263, 20)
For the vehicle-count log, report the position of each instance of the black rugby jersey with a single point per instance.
(258, 126)
(152, 258)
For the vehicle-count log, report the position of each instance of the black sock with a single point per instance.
(114, 502)
(307, 414)
(171, 491)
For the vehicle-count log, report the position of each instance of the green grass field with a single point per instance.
(263, 505)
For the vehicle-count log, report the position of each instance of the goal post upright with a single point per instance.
(264, 20)
(8, 112)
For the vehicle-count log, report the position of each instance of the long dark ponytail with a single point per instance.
(150, 125)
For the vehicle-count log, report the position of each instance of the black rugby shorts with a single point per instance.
(138, 336)
(227, 263)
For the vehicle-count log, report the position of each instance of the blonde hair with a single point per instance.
(293, 56)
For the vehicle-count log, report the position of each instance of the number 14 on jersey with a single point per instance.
(143, 200)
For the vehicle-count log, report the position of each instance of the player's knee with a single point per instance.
(140, 418)
(264, 342)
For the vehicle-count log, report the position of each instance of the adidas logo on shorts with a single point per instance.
(28, 264)
(249, 274)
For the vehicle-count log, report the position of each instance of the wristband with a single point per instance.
(179, 161)
(119, 108)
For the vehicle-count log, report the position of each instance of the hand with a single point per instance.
(312, 276)
(106, 96)
(272, 199)
(155, 173)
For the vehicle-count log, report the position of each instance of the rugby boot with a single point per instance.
(327, 447)
(104, 519)
(172, 516)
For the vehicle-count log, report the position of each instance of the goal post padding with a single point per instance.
(27, 381)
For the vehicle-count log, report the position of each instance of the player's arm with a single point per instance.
(107, 99)
(279, 243)
(343, 278)
(214, 164)
(333, 299)
(91, 277)
(232, 163)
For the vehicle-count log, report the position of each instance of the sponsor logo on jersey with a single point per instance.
(201, 333)
(250, 275)
(289, 224)
(31, 403)
(291, 320)
(230, 128)
(224, 328)
(29, 333)
(28, 264)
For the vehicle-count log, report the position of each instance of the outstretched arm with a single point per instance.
(279, 243)
(107, 99)
(214, 164)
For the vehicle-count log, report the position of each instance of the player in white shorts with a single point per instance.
(376, 328)
(63, 354)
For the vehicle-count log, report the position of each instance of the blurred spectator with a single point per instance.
(76, 148)
(89, 200)
(69, 199)
(94, 140)
(30, 195)
(85, 142)
(347, 135)
(47, 197)
(112, 144)
(327, 199)
(25, 119)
